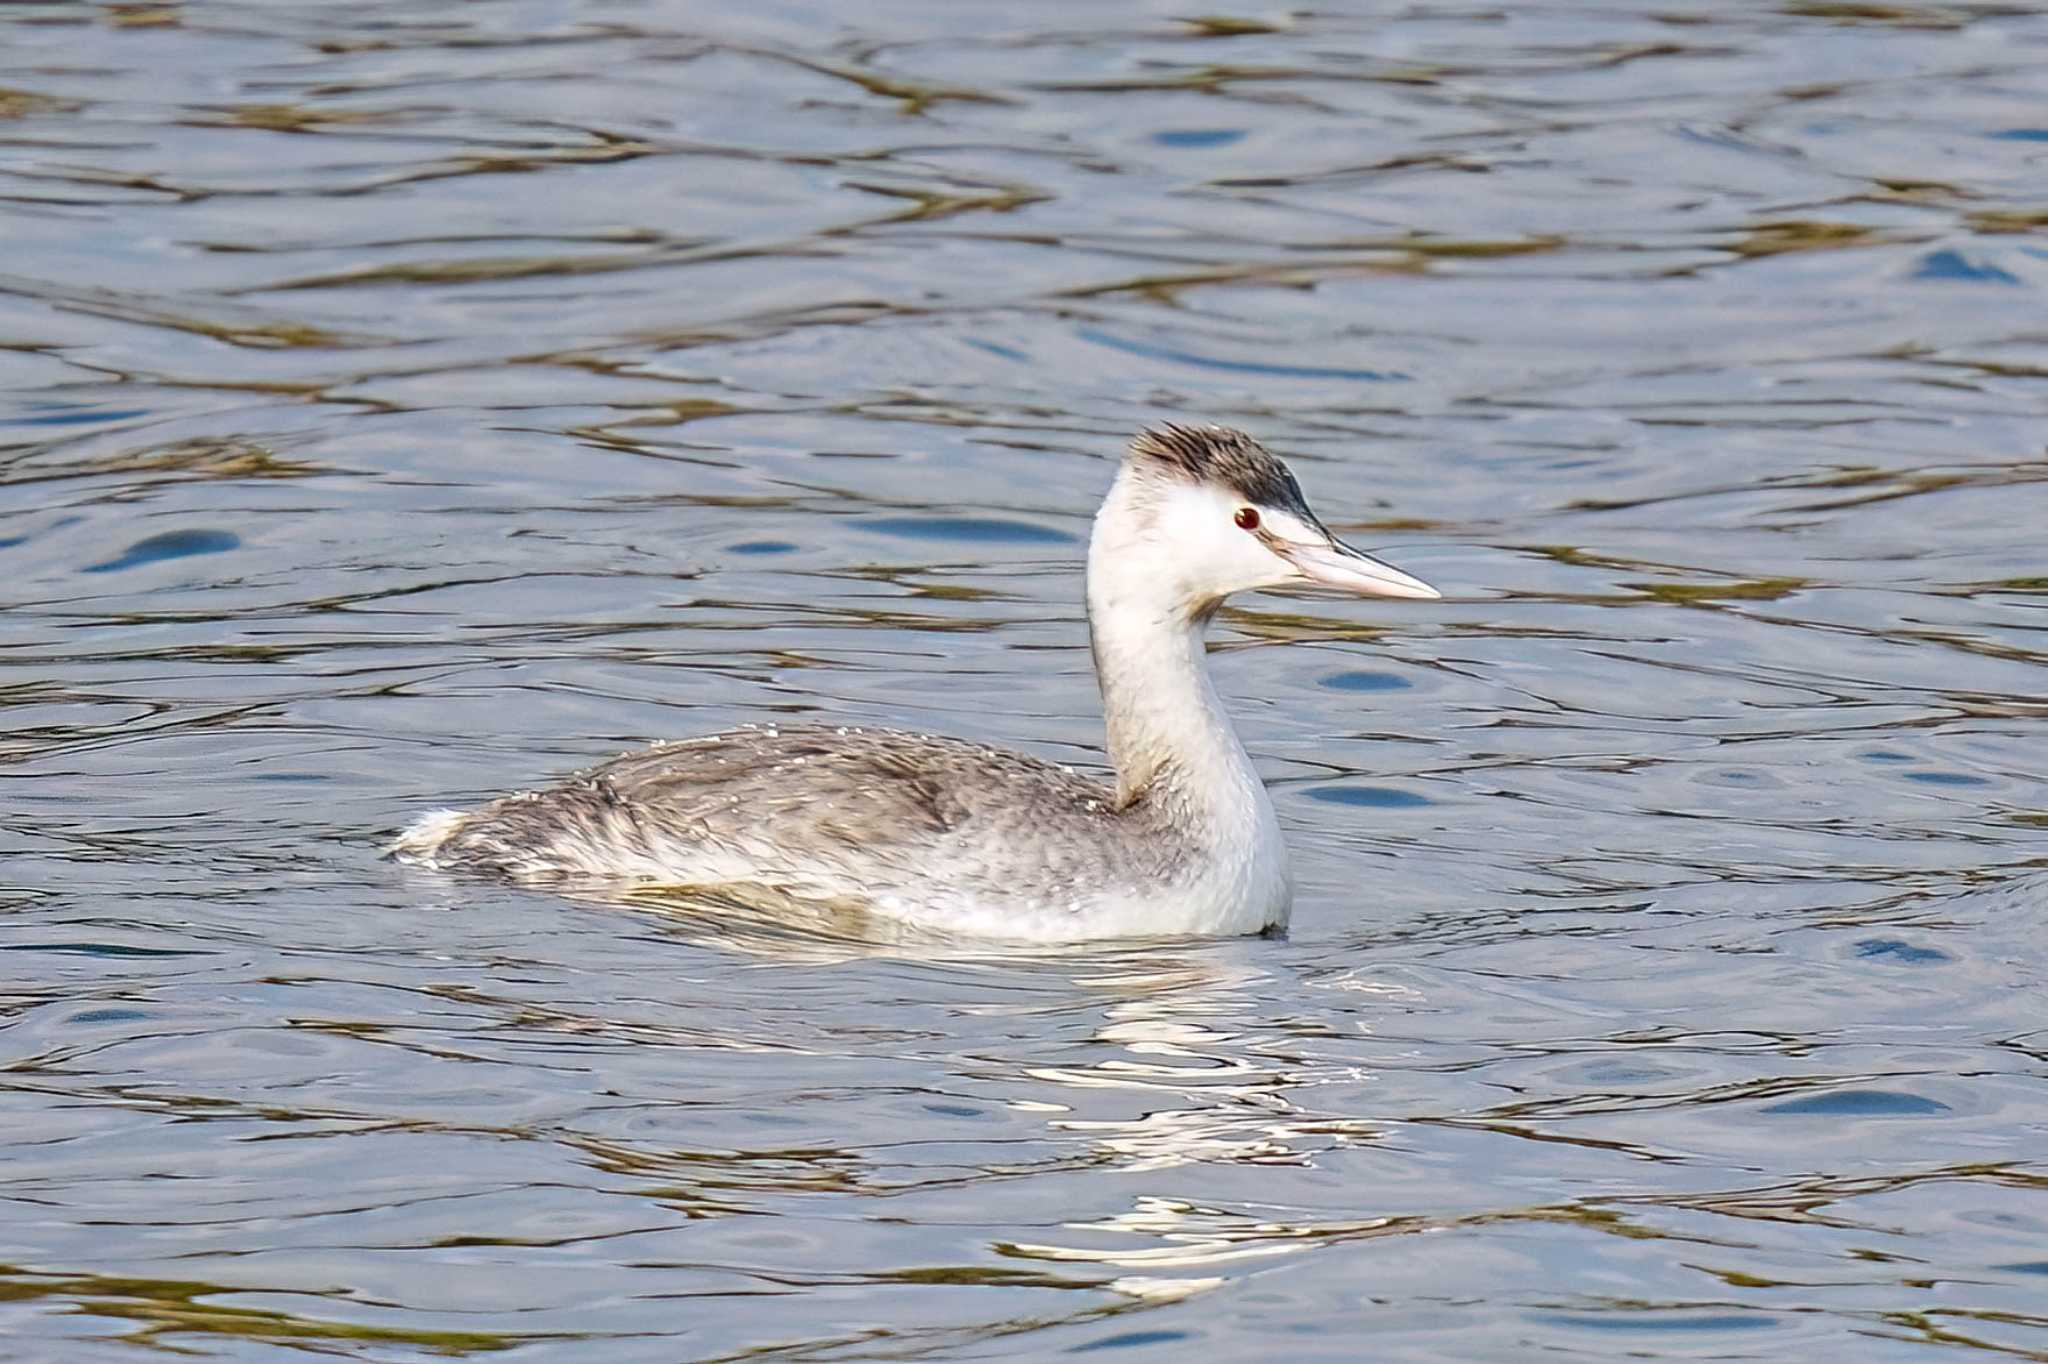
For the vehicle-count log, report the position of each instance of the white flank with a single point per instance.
(424, 836)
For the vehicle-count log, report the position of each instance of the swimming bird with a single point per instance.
(964, 838)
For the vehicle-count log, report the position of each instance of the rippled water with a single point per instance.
(402, 403)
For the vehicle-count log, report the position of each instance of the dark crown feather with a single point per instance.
(1222, 456)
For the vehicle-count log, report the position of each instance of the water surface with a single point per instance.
(401, 404)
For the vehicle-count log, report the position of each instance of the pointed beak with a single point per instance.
(1336, 564)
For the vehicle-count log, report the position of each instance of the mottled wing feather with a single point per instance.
(873, 809)
(870, 783)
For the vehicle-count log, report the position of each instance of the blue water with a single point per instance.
(406, 404)
(172, 544)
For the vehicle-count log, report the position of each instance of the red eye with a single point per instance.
(1247, 518)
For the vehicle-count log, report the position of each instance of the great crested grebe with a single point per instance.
(959, 837)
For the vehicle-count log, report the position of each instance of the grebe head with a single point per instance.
(1201, 513)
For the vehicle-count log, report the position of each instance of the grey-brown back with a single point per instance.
(829, 811)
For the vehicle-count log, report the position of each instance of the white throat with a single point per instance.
(1148, 607)
(1177, 758)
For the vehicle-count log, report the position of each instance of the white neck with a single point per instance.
(1177, 758)
(1169, 737)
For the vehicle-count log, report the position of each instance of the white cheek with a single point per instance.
(1215, 554)
(1286, 526)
